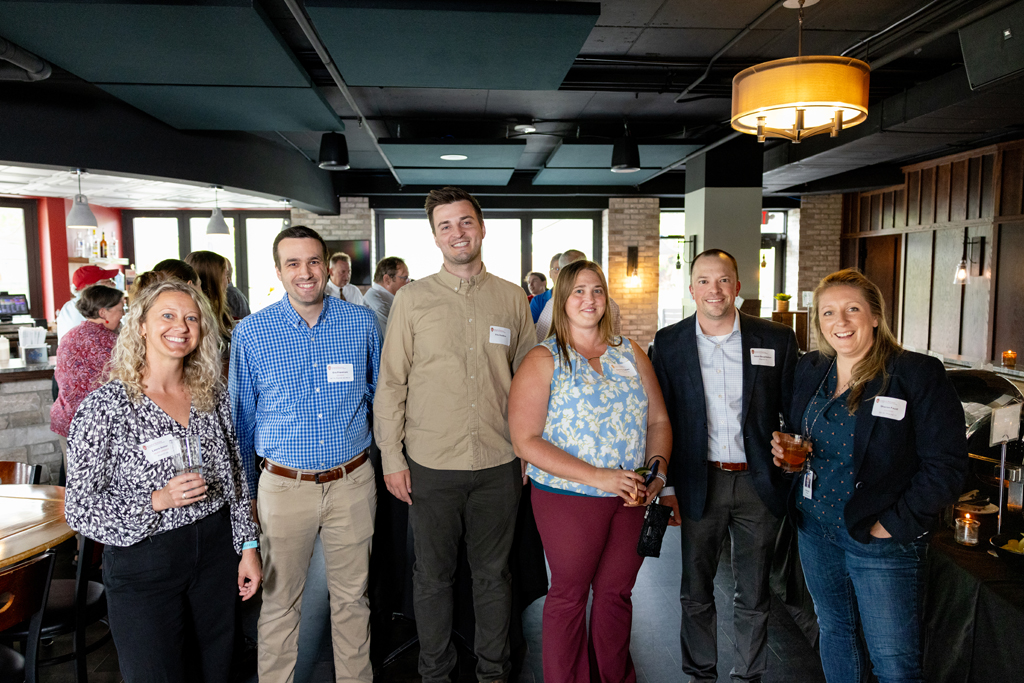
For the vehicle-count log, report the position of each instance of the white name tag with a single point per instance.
(339, 372)
(809, 485)
(158, 449)
(892, 408)
(764, 357)
(624, 369)
(500, 335)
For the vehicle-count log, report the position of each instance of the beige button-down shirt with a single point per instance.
(445, 371)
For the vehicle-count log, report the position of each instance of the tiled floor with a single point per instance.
(655, 643)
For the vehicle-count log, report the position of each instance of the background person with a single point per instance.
(538, 302)
(171, 561)
(69, 316)
(544, 319)
(581, 466)
(83, 355)
(238, 305)
(390, 276)
(536, 284)
(340, 276)
(212, 270)
(887, 429)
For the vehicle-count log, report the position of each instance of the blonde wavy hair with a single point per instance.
(882, 350)
(203, 375)
(560, 328)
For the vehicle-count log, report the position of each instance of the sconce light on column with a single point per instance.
(963, 269)
(632, 264)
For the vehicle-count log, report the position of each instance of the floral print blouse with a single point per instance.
(600, 418)
(81, 360)
(110, 481)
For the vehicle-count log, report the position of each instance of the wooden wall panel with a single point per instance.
(974, 188)
(881, 266)
(914, 198)
(927, 196)
(849, 253)
(1012, 182)
(900, 208)
(888, 210)
(917, 290)
(876, 212)
(974, 339)
(942, 190)
(946, 296)
(958, 191)
(988, 186)
(1009, 305)
(864, 214)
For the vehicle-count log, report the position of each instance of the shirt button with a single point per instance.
(318, 416)
(472, 405)
(719, 372)
(719, 396)
(860, 485)
(472, 376)
(314, 365)
(317, 390)
(470, 320)
(470, 348)
(321, 443)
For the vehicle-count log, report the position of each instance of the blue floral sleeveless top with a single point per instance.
(601, 419)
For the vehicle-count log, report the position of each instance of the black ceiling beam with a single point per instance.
(76, 125)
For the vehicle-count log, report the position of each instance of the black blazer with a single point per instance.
(767, 391)
(905, 471)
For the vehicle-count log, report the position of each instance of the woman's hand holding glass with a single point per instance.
(182, 490)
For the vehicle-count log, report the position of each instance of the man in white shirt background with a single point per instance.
(341, 274)
(391, 275)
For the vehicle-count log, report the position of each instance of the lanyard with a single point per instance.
(809, 431)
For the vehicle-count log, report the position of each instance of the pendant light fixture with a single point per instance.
(217, 224)
(625, 153)
(333, 152)
(798, 97)
(81, 216)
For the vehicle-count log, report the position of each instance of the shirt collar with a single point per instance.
(292, 316)
(383, 292)
(456, 283)
(735, 327)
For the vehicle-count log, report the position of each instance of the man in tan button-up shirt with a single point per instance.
(454, 339)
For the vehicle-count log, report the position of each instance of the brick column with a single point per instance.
(354, 222)
(634, 222)
(821, 224)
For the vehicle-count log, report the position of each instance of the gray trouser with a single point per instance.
(484, 503)
(734, 508)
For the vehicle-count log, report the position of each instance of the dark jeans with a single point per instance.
(735, 510)
(484, 504)
(880, 584)
(174, 587)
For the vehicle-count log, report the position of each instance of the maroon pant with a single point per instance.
(589, 543)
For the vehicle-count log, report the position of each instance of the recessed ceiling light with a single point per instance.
(454, 157)
(525, 128)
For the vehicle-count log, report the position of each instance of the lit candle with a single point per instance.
(1009, 359)
(966, 532)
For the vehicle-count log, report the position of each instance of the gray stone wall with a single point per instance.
(25, 434)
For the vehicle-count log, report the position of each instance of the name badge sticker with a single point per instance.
(500, 335)
(891, 408)
(624, 369)
(808, 485)
(160, 448)
(339, 372)
(765, 357)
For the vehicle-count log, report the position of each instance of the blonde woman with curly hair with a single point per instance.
(173, 537)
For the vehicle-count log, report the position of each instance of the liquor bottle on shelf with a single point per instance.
(94, 248)
(103, 245)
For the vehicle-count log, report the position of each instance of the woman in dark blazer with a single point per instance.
(889, 452)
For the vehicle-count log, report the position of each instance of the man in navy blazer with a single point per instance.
(727, 378)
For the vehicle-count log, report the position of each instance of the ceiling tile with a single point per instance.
(590, 176)
(456, 176)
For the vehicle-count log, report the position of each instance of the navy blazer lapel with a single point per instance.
(690, 362)
(750, 340)
(865, 421)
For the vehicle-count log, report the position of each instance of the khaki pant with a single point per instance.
(291, 513)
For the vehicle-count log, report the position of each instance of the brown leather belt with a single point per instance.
(319, 477)
(729, 466)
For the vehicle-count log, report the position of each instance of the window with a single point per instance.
(19, 236)
(554, 235)
(673, 269)
(773, 258)
(263, 285)
(221, 244)
(155, 239)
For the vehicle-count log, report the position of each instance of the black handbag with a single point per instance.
(655, 522)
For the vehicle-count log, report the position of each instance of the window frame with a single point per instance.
(32, 247)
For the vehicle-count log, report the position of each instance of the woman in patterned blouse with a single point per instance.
(173, 540)
(585, 410)
(84, 352)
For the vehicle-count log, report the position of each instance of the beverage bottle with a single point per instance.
(94, 245)
(103, 245)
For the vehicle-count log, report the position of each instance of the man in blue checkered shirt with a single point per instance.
(303, 375)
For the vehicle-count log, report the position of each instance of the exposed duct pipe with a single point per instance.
(325, 57)
(24, 66)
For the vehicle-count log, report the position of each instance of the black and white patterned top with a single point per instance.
(110, 482)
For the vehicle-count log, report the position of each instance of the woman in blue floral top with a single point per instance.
(585, 410)
(173, 539)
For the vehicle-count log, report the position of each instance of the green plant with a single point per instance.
(783, 297)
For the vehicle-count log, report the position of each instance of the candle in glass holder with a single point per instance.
(1009, 359)
(966, 532)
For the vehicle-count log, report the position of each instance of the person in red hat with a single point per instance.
(69, 317)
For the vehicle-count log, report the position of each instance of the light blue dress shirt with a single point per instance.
(721, 368)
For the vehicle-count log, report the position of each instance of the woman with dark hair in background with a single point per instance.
(179, 269)
(212, 269)
(889, 452)
(83, 354)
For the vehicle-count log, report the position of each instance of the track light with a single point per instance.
(217, 224)
(333, 152)
(81, 216)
